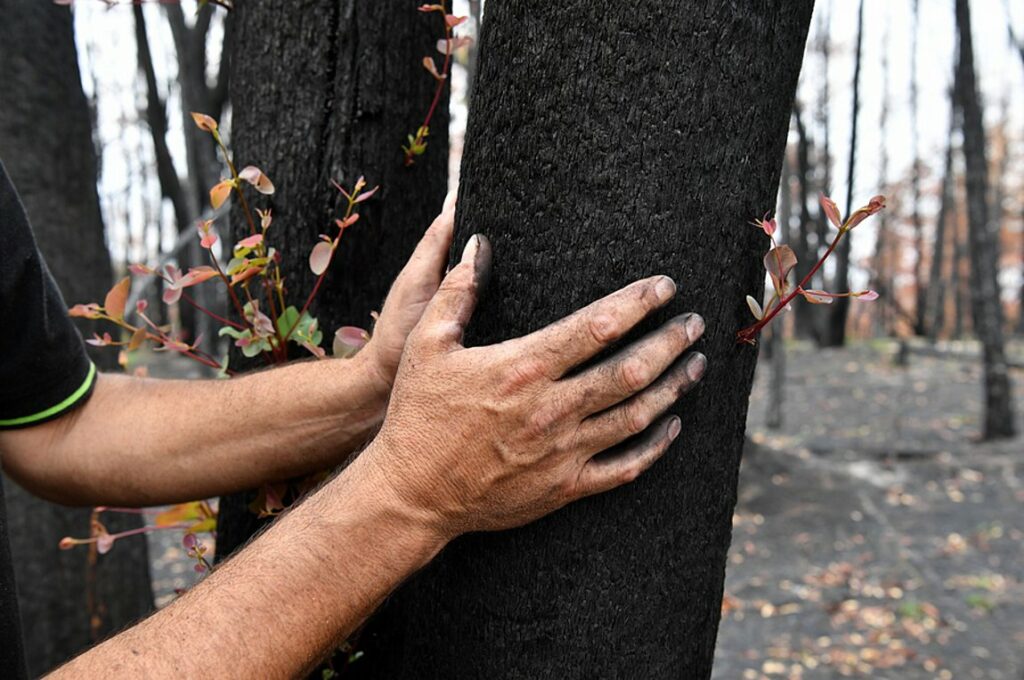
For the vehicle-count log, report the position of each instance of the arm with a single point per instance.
(143, 442)
(518, 441)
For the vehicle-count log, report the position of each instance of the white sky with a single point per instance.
(108, 60)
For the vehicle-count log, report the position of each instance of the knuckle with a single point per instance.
(633, 374)
(602, 327)
(522, 373)
(567, 487)
(631, 471)
(635, 419)
(459, 279)
(542, 421)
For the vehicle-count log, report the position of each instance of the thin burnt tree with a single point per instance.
(608, 142)
(986, 307)
(834, 334)
(46, 144)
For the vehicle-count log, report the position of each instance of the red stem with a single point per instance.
(210, 314)
(751, 331)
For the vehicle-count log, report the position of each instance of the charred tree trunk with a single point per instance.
(594, 156)
(46, 143)
(804, 325)
(190, 45)
(920, 319)
(934, 311)
(330, 93)
(986, 307)
(835, 329)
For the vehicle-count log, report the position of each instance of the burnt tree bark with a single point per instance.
(608, 142)
(986, 307)
(834, 334)
(46, 144)
(330, 92)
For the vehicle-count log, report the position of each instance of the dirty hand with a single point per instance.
(494, 437)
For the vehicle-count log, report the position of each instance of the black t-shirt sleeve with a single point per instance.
(44, 370)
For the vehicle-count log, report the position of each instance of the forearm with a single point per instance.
(145, 441)
(286, 601)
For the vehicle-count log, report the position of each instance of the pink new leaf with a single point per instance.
(86, 311)
(831, 211)
(250, 241)
(348, 340)
(204, 122)
(817, 297)
(220, 193)
(116, 298)
(367, 195)
(779, 261)
(428, 63)
(255, 177)
(320, 257)
(867, 295)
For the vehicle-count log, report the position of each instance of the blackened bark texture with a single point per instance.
(329, 90)
(834, 334)
(609, 142)
(46, 144)
(986, 307)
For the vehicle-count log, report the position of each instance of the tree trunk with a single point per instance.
(934, 312)
(986, 307)
(839, 310)
(804, 316)
(190, 44)
(608, 142)
(880, 265)
(46, 142)
(330, 92)
(920, 300)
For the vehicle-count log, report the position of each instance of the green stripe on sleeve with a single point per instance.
(62, 406)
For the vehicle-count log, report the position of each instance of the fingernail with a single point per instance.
(665, 288)
(695, 365)
(449, 201)
(674, 427)
(694, 326)
(473, 245)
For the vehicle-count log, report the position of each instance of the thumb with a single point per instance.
(449, 312)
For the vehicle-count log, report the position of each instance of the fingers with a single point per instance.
(422, 274)
(633, 368)
(583, 334)
(605, 472)
(632, 417)
(445, 319)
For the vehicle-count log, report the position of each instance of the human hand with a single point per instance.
(494, 437)
(408, 297)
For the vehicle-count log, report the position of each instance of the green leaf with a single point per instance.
(230, 330)
(287, 319)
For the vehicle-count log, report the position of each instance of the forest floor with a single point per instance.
(874, 537)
